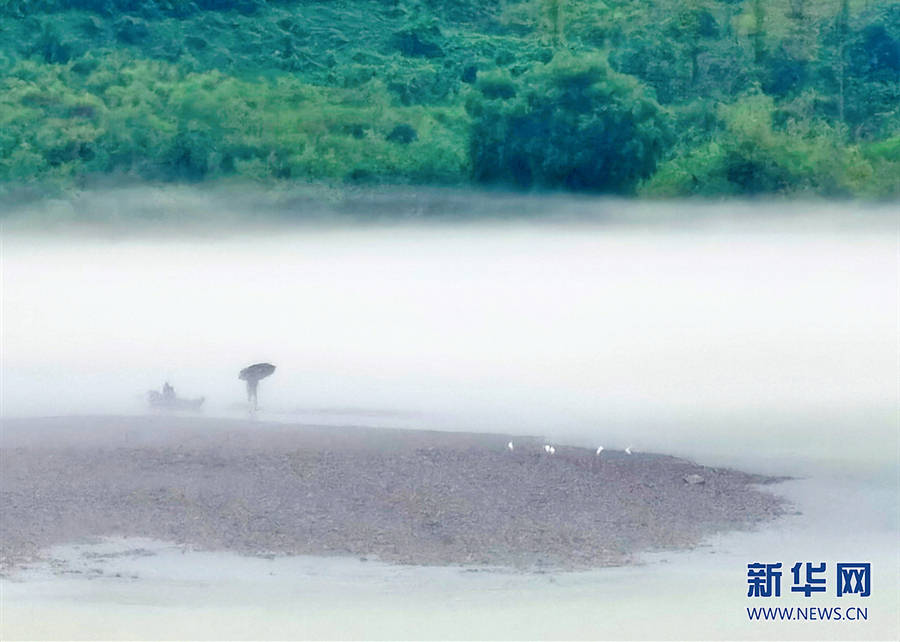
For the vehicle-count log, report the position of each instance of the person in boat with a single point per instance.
(168, 400)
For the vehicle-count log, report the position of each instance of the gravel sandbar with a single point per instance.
(417, 497)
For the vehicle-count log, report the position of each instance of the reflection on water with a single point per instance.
(772, 340)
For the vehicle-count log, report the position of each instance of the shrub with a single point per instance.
(572, 123)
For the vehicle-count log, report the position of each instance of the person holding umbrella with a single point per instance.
(252, 375)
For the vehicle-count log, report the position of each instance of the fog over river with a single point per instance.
(765, 334)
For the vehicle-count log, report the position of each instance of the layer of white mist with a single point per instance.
(771, 339)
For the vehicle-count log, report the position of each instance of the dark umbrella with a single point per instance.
(252, 375)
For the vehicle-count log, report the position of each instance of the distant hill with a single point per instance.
(650, 98)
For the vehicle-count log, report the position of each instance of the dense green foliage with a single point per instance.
(573, 122)
(657, 97)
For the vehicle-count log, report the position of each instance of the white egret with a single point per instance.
(628, 450)
(599, 450)
(510, 446)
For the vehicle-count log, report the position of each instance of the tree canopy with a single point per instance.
(655, 98)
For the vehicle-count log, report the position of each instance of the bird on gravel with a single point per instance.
(628, 450)
(510, 446)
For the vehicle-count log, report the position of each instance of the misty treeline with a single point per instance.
(650, 97)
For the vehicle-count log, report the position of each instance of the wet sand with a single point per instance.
(413, 497)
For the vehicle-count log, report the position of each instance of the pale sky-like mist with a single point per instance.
(705, 339)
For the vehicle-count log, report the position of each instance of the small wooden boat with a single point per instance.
(159, 401)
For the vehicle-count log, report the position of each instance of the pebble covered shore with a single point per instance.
(415, 497)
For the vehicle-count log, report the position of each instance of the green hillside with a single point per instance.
(651, 97)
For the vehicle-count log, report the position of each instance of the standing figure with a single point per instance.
(252, 375)
(252, 394)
